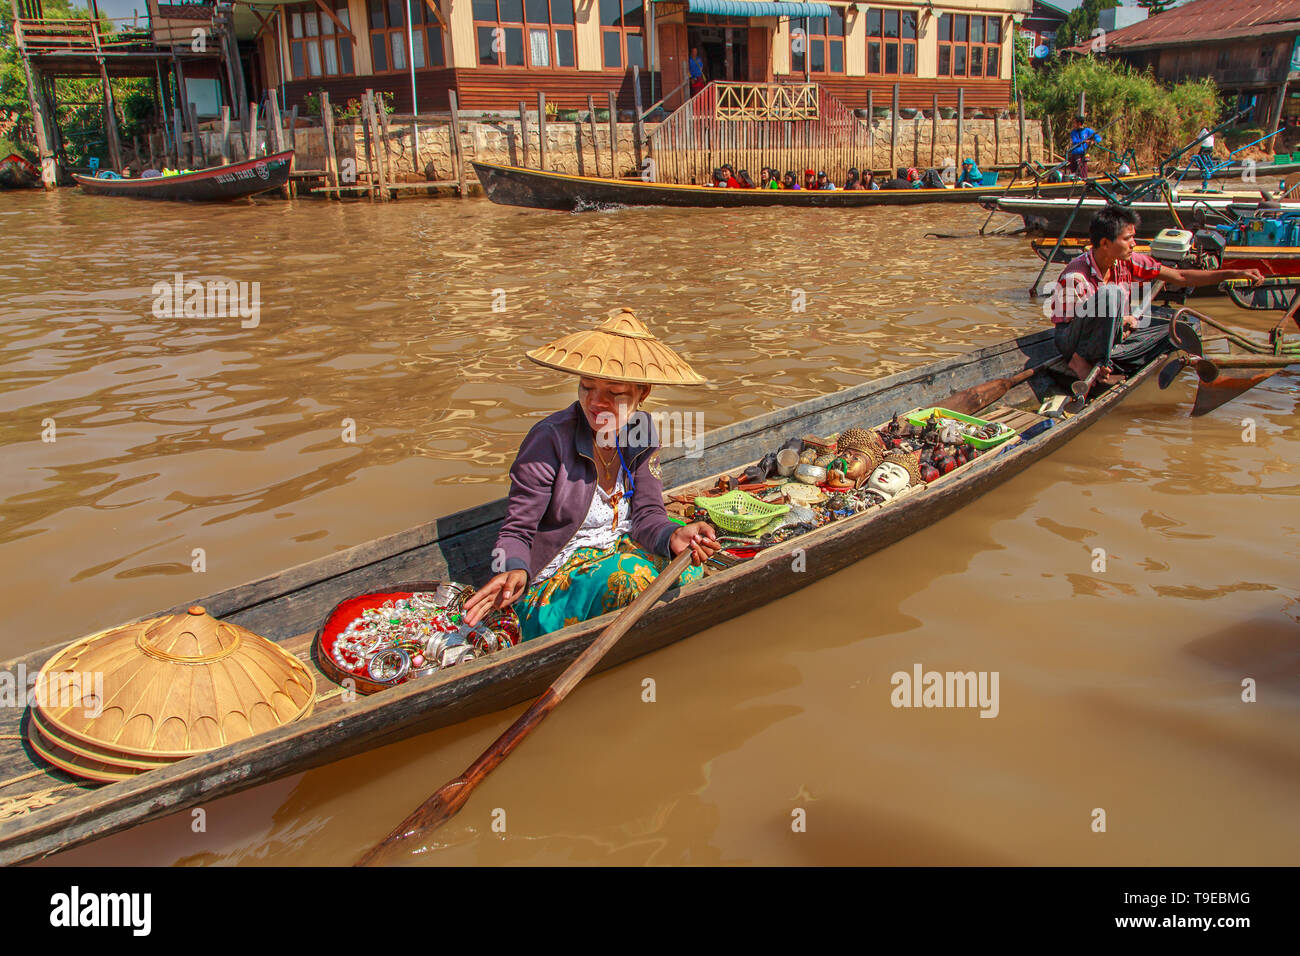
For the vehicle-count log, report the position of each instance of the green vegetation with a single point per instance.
(1081, 21)
(1152, 118)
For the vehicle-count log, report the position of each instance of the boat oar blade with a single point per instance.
(1218, 389)
(445, 803)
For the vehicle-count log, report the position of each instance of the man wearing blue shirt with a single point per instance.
(1081, 137)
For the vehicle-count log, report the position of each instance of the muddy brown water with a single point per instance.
(1119, 689)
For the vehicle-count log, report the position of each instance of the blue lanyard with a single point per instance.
(631, 482)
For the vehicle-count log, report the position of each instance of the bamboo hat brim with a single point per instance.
(620, 349)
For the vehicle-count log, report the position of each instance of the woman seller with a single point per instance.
(585, 529)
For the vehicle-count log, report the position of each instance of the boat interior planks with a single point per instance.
(36, 820)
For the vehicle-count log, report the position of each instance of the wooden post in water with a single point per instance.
(595, 141)
(977, 150)
(613, 137)
(367, 140)
(934, 126)
(893, 129)
(997, 138)
(293, 145)
(386, 136)
(178, 129)
(638, 129)
(541, 130)
(916, 139)
(153, 157)
(871, 130)
(1048, 151)
(198, 152)
(457, 156)
(1020, 116)
(523, 132)
(961, 117)
(110, 121)
(381, 172)
(331, 155)
(273, 128)
(225, 135)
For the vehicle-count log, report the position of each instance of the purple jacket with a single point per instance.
(553, 481)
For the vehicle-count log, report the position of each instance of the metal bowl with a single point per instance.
(810, 474)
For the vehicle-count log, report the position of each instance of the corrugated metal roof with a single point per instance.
(1206, 20)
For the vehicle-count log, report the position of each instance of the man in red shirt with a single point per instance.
(1101, 283)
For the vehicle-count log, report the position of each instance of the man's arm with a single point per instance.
(1201, 277)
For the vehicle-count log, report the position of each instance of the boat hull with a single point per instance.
(214, 184)
(288, 607)
(1049, 216)
(514, 186)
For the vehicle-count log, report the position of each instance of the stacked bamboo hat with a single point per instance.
(620, 349)
(146, 695)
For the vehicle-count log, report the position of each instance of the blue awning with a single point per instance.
(745, 8)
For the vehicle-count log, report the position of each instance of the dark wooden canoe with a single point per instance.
(214, 184)
(288, 607)
(514, 186)
(1049, 216)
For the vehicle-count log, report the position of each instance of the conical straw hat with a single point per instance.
(166, 688)
(620, 349)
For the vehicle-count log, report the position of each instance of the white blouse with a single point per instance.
(598, 529)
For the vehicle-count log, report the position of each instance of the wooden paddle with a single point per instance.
(970, 400)
(448, 799)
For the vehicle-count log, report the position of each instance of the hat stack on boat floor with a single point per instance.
(146, 695)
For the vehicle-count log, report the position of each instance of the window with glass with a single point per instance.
(969, 45)
(389, 42)
(822, 44)
(891, 42)
(622, 34)
(535, 34)
(316, 45)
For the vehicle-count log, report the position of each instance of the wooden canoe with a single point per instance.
(214, 184)
(515, 186)
(36, 820)
(1050, 216)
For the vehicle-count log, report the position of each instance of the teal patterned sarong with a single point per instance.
(590, 583)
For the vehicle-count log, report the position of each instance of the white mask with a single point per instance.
(889, 479)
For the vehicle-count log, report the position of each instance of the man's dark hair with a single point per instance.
(1080, 118)
(1110, 222)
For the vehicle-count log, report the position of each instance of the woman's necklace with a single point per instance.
(615, 496)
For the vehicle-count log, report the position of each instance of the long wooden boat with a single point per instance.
(1264, 173)
(515, 186)
(1272, 261)
(1050, 216)
(214, 184)
(38, 818)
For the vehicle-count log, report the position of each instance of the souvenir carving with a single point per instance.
(809, 455)
(824, 461)
(860, 439)
(896, 473)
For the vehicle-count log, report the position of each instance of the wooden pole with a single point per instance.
(198, 153)
(1047, 138)
(613, 137)
(153, 157)
(386, 136)
(331, 154)
(1083, 103)
(523, 131)
(893, 129)
(225, 135)
(638, 129)
(997, 138)
(178, 133)
(292, 185)
(381, 164)
(977, 151)
(250, 143)
(1020, 117)
(934, 126)
(595, 141)
(961, 117)
(916, 139)
(274, 129)
(541, 130)
(456, 155)
(871, 130)
(35, 101)
(368, 139)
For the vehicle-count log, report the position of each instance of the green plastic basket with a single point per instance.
(921, 417)
(739, 511)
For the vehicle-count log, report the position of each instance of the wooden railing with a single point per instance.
(76, 36)
(752, 125)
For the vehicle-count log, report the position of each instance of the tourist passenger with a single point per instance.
(1081, 137)
(697, 71)
(809, 179)
(745, 182)
(772, 180)
(585, 530)
(899, 181)
(732, 181)
(869, 180)
(853, 180)
(970, 175)
(1110, 266)
(720, 178)
(824, 182)
(788, 181)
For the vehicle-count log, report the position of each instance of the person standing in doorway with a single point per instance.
(697, 71)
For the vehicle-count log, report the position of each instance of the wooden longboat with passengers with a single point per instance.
(43, 810)
(516, 186)
(213, 184)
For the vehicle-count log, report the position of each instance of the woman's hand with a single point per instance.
(502, 591)
(698, 537)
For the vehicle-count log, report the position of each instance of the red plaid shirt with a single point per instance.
(1081, 279)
